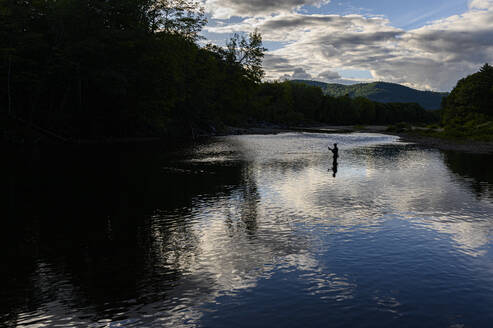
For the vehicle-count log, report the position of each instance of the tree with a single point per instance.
(487, 69)
(471, 99)
(183, 17)
(247, 53)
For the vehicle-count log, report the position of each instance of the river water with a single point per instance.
(248, 231)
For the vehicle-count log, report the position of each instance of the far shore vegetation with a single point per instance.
(91, 70)
(466, 113)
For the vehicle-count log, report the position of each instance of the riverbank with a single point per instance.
(18, 132)
(415, 136)
(329, 129)
(469, 146)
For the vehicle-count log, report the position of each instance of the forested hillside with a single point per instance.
(87, 69)
(382, 92)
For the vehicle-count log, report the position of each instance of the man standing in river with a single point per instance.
(335, 152)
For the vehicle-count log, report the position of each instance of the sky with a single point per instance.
(424, 44)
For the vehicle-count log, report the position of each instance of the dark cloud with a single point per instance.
(278, 64)
(297, 21)
(468, 45)
(328, 76)
(352, 40)
(283, 69)
(300, 74)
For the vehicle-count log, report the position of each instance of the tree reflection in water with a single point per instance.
(79, 223)
(475, 168)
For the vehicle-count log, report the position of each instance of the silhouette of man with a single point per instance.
(335, 152)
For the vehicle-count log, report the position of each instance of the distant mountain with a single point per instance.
(382, 92)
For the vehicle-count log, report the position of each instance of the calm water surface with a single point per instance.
(248, 231)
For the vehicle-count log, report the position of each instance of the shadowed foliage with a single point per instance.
(91, 70)
(468, 110)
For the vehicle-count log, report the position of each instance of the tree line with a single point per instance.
(131, 68)
(294, 102)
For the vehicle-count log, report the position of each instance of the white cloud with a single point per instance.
(434, 56)
(224, 9)
(480, 4)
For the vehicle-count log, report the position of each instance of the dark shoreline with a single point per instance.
(36, 137)
(468, 146)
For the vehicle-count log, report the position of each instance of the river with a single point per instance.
(248, 231)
